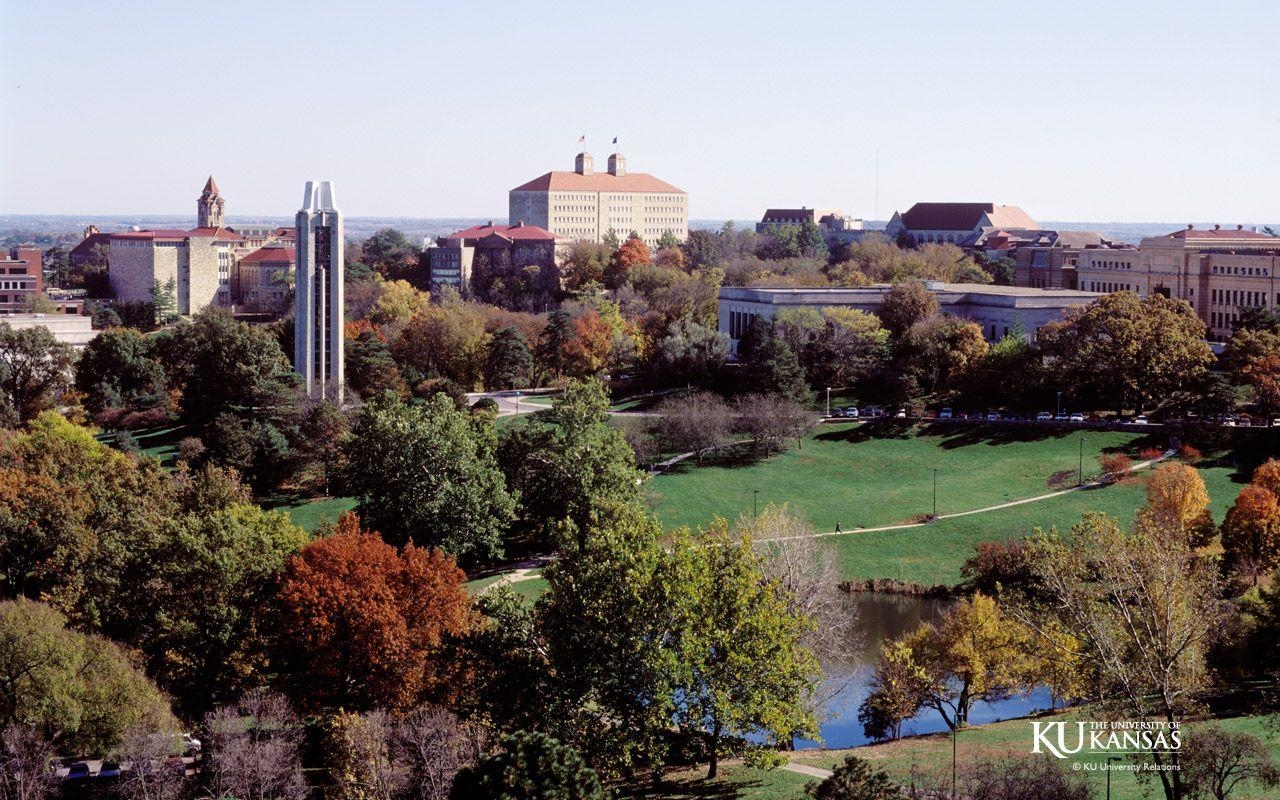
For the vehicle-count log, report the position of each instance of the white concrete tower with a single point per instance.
(318, 316)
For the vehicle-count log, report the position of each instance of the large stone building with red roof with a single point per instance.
(1217, 270)
(952, 223)
(202, 264)
(585, 204)
(452, 260)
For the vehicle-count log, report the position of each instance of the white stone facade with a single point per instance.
(319, 318)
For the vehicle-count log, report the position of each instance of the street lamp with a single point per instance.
(953, 759)
(755, 494)
(1080, 469)
(517, 402)
(1109, 760)
(828, 401)
(1058, 413)
(935, 493)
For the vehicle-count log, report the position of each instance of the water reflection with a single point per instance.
(881, 617)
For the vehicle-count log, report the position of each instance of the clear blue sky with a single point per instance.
(1134, 111)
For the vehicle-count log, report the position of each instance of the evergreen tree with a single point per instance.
(530, 766)
(555, 337)
(509, 364)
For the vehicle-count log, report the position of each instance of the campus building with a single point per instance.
(953, 223)
(450, 262)
(836, 228)
(1217, 270)
(318, 336)
(70, 328)
(585, 204)
(998, 310)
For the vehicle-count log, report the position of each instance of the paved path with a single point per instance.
(805, 769)
(1010, 504)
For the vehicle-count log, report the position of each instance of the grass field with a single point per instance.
(311, 513)
(932, 754)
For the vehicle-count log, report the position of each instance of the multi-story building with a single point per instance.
(1044, 259)
(262, 278)
(70, 328)
(836, 227)
(952, 223)
(318, 335)
(450, 262)
(998, 310)
(1217, 270)
(21, 279)
(201, 263)
(585, 204)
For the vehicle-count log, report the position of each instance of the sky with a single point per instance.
(1089, 111)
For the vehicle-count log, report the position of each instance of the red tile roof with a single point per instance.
(270, 255)
(597, 182)
(217, 233)
(513, 232)
(85, 248)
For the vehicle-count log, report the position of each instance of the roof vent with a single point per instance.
(489, 224)
(520, 224)
(1239, 227)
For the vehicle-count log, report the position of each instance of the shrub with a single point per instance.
(1115, 466)
(1189, 453)
(1150, 453)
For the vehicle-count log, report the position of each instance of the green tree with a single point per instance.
(568, 468)
(370, 367)
(1126, 351)
(774, 368)
(509, 364)
(742, 669)
(79, 691)
(35, 371)
(422, 473)
(689, 352)
(850, 347)
(119, 366)
(390, 253)
(855, 779)
(555, 338)
(898, 689)
(810, 241)
(905, 305)
(1216, 761)
(529, 766)
(164, 301)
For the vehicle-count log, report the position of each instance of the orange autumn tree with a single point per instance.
(365, 622)
(633, 253)
(1251, 532)
(1176, 493)
(587, 352)
(1268, 476)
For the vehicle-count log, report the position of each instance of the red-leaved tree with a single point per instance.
(364, 623)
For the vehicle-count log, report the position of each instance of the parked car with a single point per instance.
(1228, 422)
(1141, 419)
(902, 414)
(851, 412)
(79, 771)
(1062, 416)
(993, 416)
(1044, 416)
(110, 770)
(1076, 418)
(1244, 421)
(837, 412)
(190, 744)
(944, 414)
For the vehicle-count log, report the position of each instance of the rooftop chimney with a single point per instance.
(1217, 227)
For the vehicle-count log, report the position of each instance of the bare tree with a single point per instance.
(25, 761)
(1214, 761)
(432, 744)
(251, 750)
(1021, 779)
(147, 768)
(697, 423)
(769, 419)
(359, 748)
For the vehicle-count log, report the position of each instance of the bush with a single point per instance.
(529, 765)
(855, 780)
(1115, 466)
(1150, 453)
(1189, 453)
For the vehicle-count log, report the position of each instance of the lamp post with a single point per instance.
(953, 760)
(1058, 413)
(935, 493)
(1109, 760)
(755, 494)
(517, 402)
(828, 401)
(1080, 469)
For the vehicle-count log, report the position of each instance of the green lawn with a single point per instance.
(932, 754)
(932, 555)
(311, 513)
(871, 475)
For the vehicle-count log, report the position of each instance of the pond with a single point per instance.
(881, 617)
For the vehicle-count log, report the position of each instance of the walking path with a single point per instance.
(1010, 504)
(805, 769)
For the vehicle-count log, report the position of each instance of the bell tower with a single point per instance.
(209, 206)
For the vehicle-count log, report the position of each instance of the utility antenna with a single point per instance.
(876, 210)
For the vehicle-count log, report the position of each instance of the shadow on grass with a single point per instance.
(734, 456)
(687, 790)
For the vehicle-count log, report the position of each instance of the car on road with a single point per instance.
(993, 416)
(1044, 416)
(77, 772)
(109, 771)
(1076, 418)
(836, 412)
(944, 414)
(902, 414)
(851, 412)
(1141, 419)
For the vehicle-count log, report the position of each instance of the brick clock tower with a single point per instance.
(209, 206)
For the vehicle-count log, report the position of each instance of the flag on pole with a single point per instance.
(615, 140)
(582, 139)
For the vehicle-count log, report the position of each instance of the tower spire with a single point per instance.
(209, 206)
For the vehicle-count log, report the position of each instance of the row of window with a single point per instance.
(17, 285)
(1237, 297)
(1110, 265)
(1100, 286)
(1257, 272)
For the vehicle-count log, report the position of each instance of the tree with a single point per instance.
(1215, 761)
(433, 745)
(324, 430)
(389, 253)
(855, 780)
(251, 750)
(370, 368)
(810, 241)
(699, 422)
(529, 766)
(973, 653)
(1135, 600)
(1251, 532)
(509, 364)
(164, 301)
(364, 624)
(1263, 374)
(769, 419)
(905, 305)
(423, 473)
(358, 755)
(773, 368)
(1014, 778)
(555, 338)
(941, 352)
(34, 371)
(151, 774)
(1127, 351)
(898, 689)
(118, 367)
(1267, 475)
(573, 466)
(743, 669)
(26, 764)
(76, 690)
(397, 303)
(445, 342)
(584, 264)
(689, 352)
(1177, 491)
(850, 347)
(632, 253)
